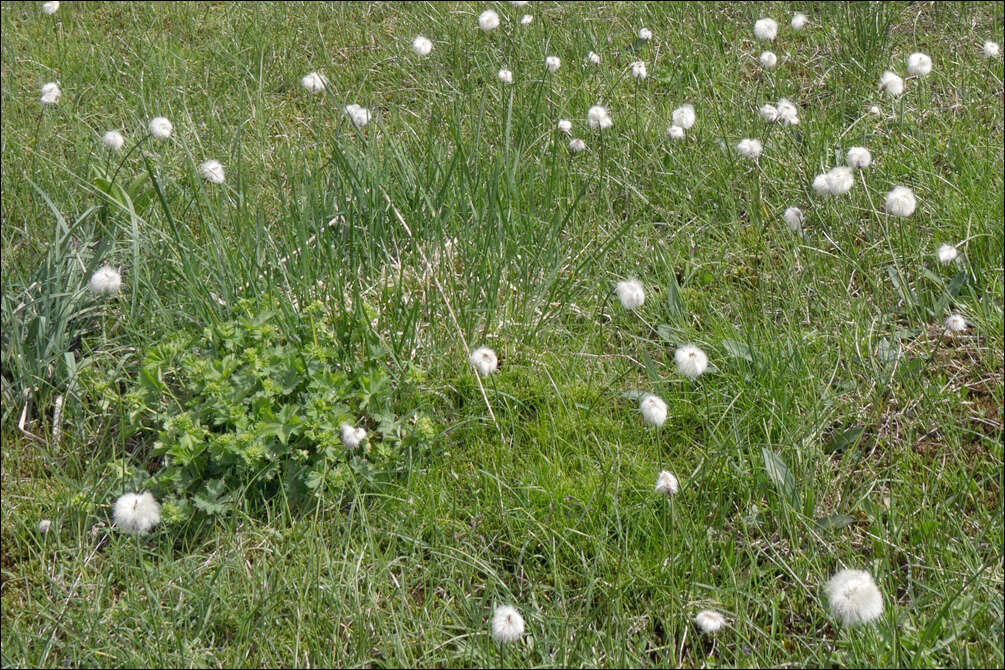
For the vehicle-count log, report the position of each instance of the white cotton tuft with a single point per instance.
(654, 410)
(900, 201)
(749, 148)
(552, 63)
(313, 82)
(212, 172)
(891, 83)
(709, 621)
(947, 253)
(859, 157)
(50, 93)
(526, 19)
(505, 76)
(352, 437)
(630, 293)
(593, 57)
(666, 483)
(874, 110)
(507, 624)
(683, 116)
(113, 140)
(956, 323)
(577, 145)
(488, 20)
(788, 113)
(565, 126)
(638, 69)
(136, 513)
(645, 34)
(598, 118)
(991, 49)
(793, 217)
(160, 127)
(919, 64)
(691, 361)
(854, 597)
(484, 360)
(51, 7)
(768, 112)
(44, 525)
(422, 46)
(799, 21)
(837, 181)
(359, 115)
(106, 280)
(518, 3)
(765, 29)
(675, 133)
(768, 60)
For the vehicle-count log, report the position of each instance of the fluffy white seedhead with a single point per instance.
(788, 113)
(749, 148)
(837, 181)
(630, 293)
(638, 69)
(666, 483)
(50, 7)
(422, 46)
(565, 126)
(507, 624)
(577, 145)
(947, 253)
(675, 133)
(113, 140)
(598, 118)
(526, 19)
(875, 111)
(768, 112)
(709, 621)
(919, 64)
(793, 217)
(44, 525)
(552, 63)
(654, 410)
(691, 361)
(50, 93)
(956, 323)
(799, 21)
(683, 116)
(765, 29)
(859, 157)
(212, 172)
(768, 60)
(645, 34)
(593, 57)
(352, 437)
(313, 82)
(518, 3)
(484, 360)
(136, 513)
(359, 115)
(160, 127)
(488, 20)
(854, 597)
(891, 83)
(105, 281)
(991, 49)
(900, 201)
(505, 76)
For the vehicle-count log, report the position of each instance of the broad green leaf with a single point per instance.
(779, 473)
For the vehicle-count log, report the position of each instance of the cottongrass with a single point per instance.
(875, 111)
(859, 157)
(313, 82)
(507, 624)
(691, 361)
(768, 112)
(900, 201)
(991, 49)
(675, 133)
(765, 29)
(788, 113)
(593, 57)
(891, 83)
(638, 69)
(484, 360)
(598, 118)
(750, 148)
(422, 46)
(505, 76)
(50, 93)
(577, 145)
(854, 597)
(352, 437)
(683, 116)
(919, 64)
(645, 34)
(793, 217)
(653, 409)
(837, 181)
(488, 20)
(106, 280)
(50, 7)
(552, 63)
(946, 253)
(630, 293)
(160, 127)
(526, 19)
(768, 60)
(666, 483)
(956, 323)
(44, 525)
(212, 171)
(799, 21)
(113, 140)
(565, 126)
(709, 621)
(136, 513)
(359, 115)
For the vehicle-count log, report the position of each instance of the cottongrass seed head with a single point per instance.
(675, 133)
(683, 116)
(313, 82)
(799, 21)
(50, 7)
(577, 145)
(565, 126)
(859, 157)
(136, 513)
(352, 437)
(750, 148)
(598, 118)
(488, 20)
(593, 57)
(991, 49)
(666, 483)
(552, 63)
(505, 76)
(891, 83)
(422, 46)
(793, 218)
(768, 60)
(837, 181)
(44, 525)
(691, 361)
(875, 111)
(654, 410)
(645, 34)
(106, 280)
(709, 621)
(484, 360)
(359, 115)
(113, 140)
(630, 293)
(768, 112)
(526, 19)
(787, 112)
(854, 597)
(919, 64)
(638, 69)
(765, 29)
(507, 624)
(900, 201)
(50, 93)
(946, 253)
(212, 171)
(160, 127)
(955, 323)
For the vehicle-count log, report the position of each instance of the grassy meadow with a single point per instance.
(344, 273)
